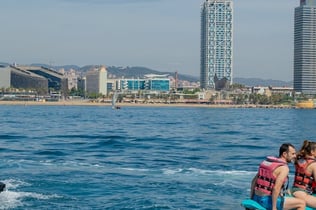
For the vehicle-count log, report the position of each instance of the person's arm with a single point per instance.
(313, 170)
(281, 173)
(252, 188)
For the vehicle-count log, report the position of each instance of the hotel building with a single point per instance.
(305, 47)
(150, 82)
(216, 44)
(96, 81)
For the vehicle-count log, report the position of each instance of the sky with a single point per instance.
(163, 35)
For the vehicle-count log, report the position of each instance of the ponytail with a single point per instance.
(306, 149)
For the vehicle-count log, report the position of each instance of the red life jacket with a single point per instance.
(266, 179)
(304, 179)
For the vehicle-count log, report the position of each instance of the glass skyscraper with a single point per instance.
(305, 47)
(216, 44)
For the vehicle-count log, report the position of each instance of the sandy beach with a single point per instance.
(89, 103)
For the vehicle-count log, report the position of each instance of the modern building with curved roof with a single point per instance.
(13, 77)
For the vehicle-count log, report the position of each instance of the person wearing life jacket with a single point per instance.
(269, 184)
(305, 174)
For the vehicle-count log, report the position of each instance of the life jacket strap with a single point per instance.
(259, 186)
(266, 179)
(307, 185)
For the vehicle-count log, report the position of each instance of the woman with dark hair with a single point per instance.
(305, 174)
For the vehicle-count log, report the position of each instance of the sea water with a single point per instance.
(94, 157)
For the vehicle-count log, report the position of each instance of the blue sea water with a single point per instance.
(93, 157)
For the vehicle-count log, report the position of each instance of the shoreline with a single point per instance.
(89, 103)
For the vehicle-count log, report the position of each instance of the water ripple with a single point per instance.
(90, 157)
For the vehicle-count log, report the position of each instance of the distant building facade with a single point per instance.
(72, 78)
(150, 82)
(305, 47)
(12, 76)
(216, 64)
(57, 82)
(96, 81)
(5, 76)
(81, 83)
(112, 84)
(132, 84)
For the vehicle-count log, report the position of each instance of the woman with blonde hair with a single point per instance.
(305, 174)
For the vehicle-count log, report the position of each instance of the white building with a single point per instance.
(5, 76)
(96, 80)
(72, 77)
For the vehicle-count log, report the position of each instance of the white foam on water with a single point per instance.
(222, 172)
(234, 178)
(12, 199)
(197, 171)
(136, 169)
(70, 164)
(13, 184)
(172, 171)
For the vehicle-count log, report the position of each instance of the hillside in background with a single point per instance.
(136, 71)
(263, 82)
(123, 72)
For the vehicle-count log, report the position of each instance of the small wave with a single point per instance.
(135, 169)
(255, 138)
(247, 146)
(84, 136)
(228, 132)
(172, 171)
(13, 183)
(220, 172)
(204, 171)
(51, 152)
(6, 136)
(109, 142)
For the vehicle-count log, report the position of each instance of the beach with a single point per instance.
(126, 104)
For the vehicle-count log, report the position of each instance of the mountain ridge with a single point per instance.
(139, 71)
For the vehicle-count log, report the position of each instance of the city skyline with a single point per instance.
(159, 34)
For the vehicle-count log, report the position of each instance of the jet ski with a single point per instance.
(249, 204)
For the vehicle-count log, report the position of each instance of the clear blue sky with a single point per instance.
(159, 34)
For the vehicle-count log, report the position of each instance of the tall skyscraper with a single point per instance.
(216, 44)
(305, 47)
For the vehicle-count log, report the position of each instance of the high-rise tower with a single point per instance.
(305, 47)
(216, 44)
